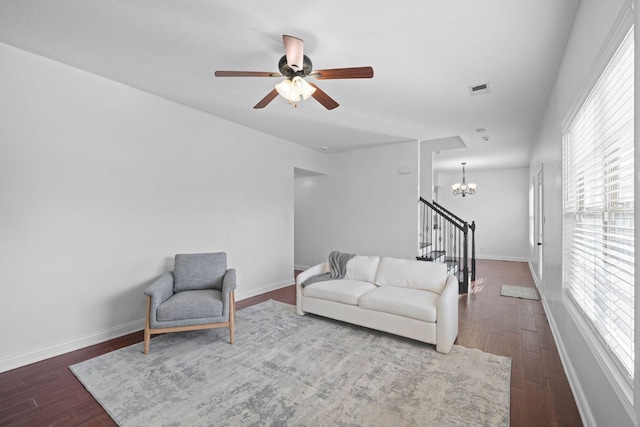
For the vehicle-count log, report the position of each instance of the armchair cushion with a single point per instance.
(199, 271)
(198, 304)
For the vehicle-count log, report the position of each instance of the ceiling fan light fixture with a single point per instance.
(294, 65)
(295, 90)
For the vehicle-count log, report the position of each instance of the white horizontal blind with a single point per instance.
(598, 259)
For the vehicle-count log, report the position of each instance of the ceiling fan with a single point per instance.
(295, 66)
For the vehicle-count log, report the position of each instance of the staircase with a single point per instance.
(444, 237)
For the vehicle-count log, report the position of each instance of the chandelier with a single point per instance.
(462, 187)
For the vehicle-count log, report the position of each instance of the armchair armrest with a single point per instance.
(313, 271)
(229, 281)
(158, 292)
(228, 286)
(161, 289)
(447, 322)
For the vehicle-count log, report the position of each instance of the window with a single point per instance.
(598, 215)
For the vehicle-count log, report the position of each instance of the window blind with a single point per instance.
(598, 217)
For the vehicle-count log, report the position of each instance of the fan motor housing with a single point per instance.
(289, 72)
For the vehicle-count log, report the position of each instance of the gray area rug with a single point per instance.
(519, 292)
(286, 369)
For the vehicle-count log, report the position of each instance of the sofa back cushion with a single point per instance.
(362, 268)
(425, 275)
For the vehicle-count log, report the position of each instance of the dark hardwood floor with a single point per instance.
(518, 328)
(46, 393)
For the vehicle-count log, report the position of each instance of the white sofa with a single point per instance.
(413, 299)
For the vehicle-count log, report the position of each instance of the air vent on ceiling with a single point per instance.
(480, 89)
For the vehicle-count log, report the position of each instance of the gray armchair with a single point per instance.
(198, 294)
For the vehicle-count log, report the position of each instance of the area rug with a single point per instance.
(286, 369)
(523, 292)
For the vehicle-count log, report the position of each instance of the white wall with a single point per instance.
(429, 148)
(426, 171)
(597, 399)
(364, 206)
(499, 208)
(101, 184)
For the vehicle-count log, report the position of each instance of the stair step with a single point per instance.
(434, 256)
(434, 235)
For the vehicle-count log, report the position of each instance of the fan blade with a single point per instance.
(267, 99)
(246, 74)
(344, 73)
(323, 98)
(294, 50)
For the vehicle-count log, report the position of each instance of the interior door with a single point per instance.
(539, 220)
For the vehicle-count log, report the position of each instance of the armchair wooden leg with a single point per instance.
(232, 316)
(147, 339)
(147, 334)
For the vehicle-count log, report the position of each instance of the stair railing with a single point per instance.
(472, 227)
(444, 237)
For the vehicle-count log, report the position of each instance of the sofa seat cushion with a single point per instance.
(341, 290)
(191, 305)
(406, 302)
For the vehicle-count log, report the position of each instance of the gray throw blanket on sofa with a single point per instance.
(337, 268)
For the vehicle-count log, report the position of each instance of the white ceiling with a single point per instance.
(425, 55)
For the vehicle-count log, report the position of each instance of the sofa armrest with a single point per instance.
(447, 321)
(313, 271)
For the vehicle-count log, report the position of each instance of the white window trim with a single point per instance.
(620, 29)
(618, 380)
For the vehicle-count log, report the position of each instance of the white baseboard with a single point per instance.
(581, 401)
(240, 295)
(502, 258)
(40, 354)
(535, 278)
(37, 355)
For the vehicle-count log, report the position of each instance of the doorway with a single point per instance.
(539, 222)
